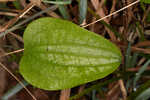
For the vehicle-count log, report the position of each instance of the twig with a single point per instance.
(65, 94)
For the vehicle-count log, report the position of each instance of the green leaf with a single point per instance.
(139, 91)
(82, 10)
(145, 1)
(17, 4)
(14, 90)
(144, 95)
(63, 11)
(140, 72)
(59, 54)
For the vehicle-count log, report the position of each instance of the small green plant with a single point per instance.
(59, 54)
(145, 1)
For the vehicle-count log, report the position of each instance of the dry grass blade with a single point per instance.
(13, 52)
(112, 13)
(144, 43)
(6, 0)
(3, 74)
(17, 80)
(123, 89)
(30, 6)
(17, 37)
(14, 20)
(137, 69)
(113, 93)
(147, 51)
(36, 2)
(11, 14)
(100, 11)
(134, 48)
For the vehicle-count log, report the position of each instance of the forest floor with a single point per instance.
(128, 28)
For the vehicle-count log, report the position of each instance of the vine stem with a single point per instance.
(112, 13)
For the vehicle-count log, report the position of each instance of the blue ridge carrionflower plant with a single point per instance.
(59, 55)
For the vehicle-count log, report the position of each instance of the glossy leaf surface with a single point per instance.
(59, 54)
